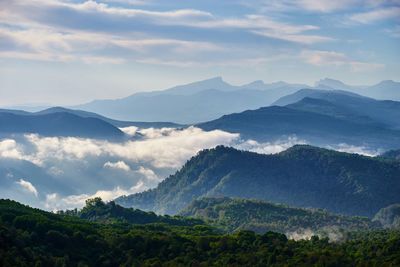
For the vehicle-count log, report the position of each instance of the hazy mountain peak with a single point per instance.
(332, 83)
(388, 83)
(256, 83)
(216, 83)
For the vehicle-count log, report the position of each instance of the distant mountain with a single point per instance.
(329, 95)
(385, 90)
(231, 214)
(58, 124)
(302, 176)
(275, 123)
(116, 123)
(191, 103)
(343, 104)
(330, 84)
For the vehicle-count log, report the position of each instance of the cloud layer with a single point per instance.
(62, 172)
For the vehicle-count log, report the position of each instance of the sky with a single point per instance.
(66, 52)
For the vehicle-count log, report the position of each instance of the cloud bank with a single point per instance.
(62, 172)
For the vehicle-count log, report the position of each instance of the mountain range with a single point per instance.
(209, 99)
(195, 102)
(59, 121)
(302, 176)
(320, 117)
(57, 124)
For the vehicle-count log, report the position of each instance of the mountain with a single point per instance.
(329, 95)
(330, 84)
(86, 114)
(232, 214)
(382, 111)
(191, 103)
(58, 124)
(302, 176)
(274, 123)
(215, 83)
(32, 237)
(384, 90)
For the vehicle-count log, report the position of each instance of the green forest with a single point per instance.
(32, 237)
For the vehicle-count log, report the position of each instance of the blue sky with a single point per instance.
(64, 52)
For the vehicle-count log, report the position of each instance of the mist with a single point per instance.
(62, 172)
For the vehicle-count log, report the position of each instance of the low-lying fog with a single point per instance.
(61, 172)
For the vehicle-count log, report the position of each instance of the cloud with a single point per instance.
(68, 170)
(296, 38)
(377, 15)
(45, 30)
(119, 165)
(27, 186)
(362, 150)
(332, 58)
(148, 173)
(56, 202)
(269, 147)
(9, 149)
(320, 6)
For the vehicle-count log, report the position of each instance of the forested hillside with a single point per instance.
(31, 237)
(231, 214)
(302, 176)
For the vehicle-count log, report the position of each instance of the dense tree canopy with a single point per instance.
(31, 237)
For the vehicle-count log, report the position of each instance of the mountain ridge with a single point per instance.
(352, 184)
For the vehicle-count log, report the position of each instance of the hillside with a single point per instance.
(86, 114)
(233, 214)
(351, 184)
(385, 90)
(96, 210)
(381, 111)
(31, 237)
(276, 123)
(58, 124)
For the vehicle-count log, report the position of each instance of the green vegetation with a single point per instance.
(243, 214)
(302, 176)
(98, 211)
(31, 237)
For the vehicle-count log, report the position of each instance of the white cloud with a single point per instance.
(56, 202)
(321, 6)
(131, 130)
(269, 147)
(296, 38)
(27, 186)
(148, 173)
(332, 58)
(377, 15)
(326, 5)
(9, 149)
(362, 150)
(119, 165)
(162, 148)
